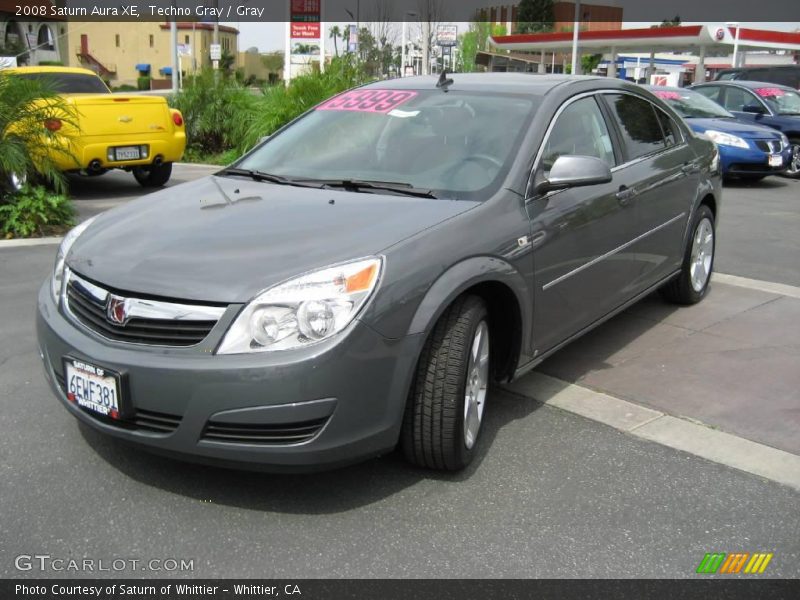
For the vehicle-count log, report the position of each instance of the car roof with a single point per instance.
(746, 83)
(536, 84)
(666, 88)
(23, 70)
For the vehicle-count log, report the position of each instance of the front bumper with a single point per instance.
(751, 161)
(354, 387)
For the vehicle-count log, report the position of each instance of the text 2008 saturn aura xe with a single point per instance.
(357, 281)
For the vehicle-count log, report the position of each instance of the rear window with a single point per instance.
(638, 124)
(69, 83)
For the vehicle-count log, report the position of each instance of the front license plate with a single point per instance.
(775, 160)
(93, 387)
(127, 153)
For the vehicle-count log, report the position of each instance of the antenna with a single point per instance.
(444, 81)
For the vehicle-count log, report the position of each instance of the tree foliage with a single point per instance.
(535, 16)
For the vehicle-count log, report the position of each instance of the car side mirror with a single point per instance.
(753, 108)
(575, 171)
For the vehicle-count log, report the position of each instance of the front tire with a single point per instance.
(691, 284)
(793, 170)
(154, 175)
(445, 408)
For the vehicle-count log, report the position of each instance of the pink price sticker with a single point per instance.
(769, 91)
(371, 101)
(668, 95)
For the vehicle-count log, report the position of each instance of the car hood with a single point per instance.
(734, 127)
(222, 239)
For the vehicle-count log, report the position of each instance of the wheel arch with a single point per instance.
(507, 299)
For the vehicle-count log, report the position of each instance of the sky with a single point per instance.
(268, 37)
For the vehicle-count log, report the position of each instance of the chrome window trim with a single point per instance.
(610, 253)
(146, 309)
(615, 168)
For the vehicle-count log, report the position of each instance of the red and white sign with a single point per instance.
(306, 31)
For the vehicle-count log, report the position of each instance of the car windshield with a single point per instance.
(453, 144)
(782, 101)
(691, 105)
(69, 83)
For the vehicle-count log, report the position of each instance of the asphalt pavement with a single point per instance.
(551, 495)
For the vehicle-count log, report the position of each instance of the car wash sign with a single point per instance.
(305, 35)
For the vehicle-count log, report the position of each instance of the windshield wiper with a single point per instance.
(404, 189)
(262, 176)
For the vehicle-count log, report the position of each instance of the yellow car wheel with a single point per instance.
(153, 175)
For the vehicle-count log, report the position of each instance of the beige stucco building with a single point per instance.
(121, 52)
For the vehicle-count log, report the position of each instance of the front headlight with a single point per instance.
(304, 310)
(726, 139)
(63, 249)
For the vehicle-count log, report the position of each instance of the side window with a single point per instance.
(672, 133)
(638, 124)
(709, 91)
(737, 99)
(580, 129)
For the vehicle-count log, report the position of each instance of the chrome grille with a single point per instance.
(148, 322)
(253, 433)
(771, 146)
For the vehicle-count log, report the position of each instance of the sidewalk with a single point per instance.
(731, 362)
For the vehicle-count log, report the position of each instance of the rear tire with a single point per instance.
(445, 408)
(691, 284)
(153, 175)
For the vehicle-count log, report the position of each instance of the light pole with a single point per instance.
(575, 28)
(734, 60)
(403, 42)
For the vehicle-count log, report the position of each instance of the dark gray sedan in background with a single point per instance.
(361, 278)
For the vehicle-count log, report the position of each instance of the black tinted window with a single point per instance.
(69, 83)
(580, 129)
(638, 124)
(671, 132)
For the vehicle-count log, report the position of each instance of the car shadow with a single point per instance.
(593, 351)
(327, 492)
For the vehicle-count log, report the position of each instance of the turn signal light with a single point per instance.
(177, 119)
(52, 124)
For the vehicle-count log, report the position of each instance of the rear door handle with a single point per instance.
(690, 168)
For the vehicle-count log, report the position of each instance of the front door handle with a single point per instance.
(625, 194)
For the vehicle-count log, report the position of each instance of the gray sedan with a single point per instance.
(359, 280)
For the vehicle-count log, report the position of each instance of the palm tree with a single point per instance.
(34, 121)
(336, 33)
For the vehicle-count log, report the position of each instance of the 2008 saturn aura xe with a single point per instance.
(359, 280)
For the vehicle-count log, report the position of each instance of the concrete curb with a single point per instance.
(652, 425)
(43, 241)
(756, 284)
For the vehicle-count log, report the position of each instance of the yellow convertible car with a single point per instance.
(137, 133)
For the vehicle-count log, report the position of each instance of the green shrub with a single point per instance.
(35, 211)
(51, 63)
(143, 83)
(125, 88)
(214, 110)
(27, 148)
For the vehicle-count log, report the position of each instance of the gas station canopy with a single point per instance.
(678, 38)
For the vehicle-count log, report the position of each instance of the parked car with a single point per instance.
(362, 277)
(137, 133)
(780, 74)
(767, 104)
(747, 151)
